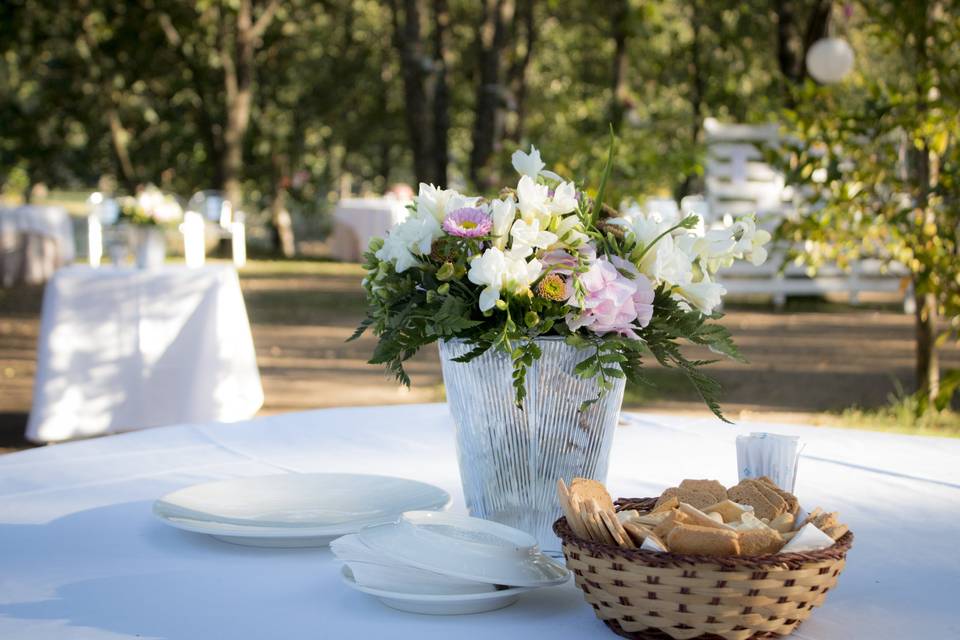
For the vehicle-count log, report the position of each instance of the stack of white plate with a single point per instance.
(442, 563)
(295, 509)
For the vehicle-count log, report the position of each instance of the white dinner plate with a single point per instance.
(296, 509)
(438, 605)
(467, 548)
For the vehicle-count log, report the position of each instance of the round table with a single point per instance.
(81, 556)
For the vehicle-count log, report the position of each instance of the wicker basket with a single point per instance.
(656, 596)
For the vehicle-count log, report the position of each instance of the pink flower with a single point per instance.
(613, 302)
(468, 222)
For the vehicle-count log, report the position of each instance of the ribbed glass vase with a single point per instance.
(510, 458)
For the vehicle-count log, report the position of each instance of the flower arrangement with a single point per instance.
(150, 207)
(545, 259)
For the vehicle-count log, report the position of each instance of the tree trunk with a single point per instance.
(119, 138)
(620, 12)
(697, 89)
(239, 43)
(524, 17)
(488, 123)
(426, 88)
(794, 39)
(407, 39)
(441, 93)
(927, 358)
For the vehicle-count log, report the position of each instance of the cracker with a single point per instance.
(706, 541)
(783, 522)
(572, 515)
(701, 519)
(826, 521)
(714, 488)
(598, 532)
(837, 532)
(628, 515)
(713, 515)
(637, 532)
(666, 505)
(729, 510)
(788, 535)
(746, 493)
(615, 529)
(651, 519)
(663, 529)
(589, 489)
(665, 497)
(759, 542)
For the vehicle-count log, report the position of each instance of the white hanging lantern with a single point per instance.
(830, 60)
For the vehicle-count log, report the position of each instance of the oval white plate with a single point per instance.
(318, 506)
(468, 548)
(438, 605)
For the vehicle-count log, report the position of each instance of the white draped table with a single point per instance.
(82, 558)
(365, 218)
(123, 349)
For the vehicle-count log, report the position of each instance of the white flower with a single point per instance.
(503, 212)
(496, 271)
(705, 295)
(528, 236)
(564, 198)
(570, 231)
(438, 202)
(527, 164)
(533, 201)
(664, 261)
(750, 240)
(412, 237)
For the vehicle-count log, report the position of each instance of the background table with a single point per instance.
(358, 220)
(124, 349)
(83, 559)
(35, 241)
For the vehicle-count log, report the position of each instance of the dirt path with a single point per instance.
(301, 313)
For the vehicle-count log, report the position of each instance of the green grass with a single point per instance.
(900, 416)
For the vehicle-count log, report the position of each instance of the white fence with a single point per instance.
(740, 181)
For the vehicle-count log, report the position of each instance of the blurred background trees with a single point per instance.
(289, 104)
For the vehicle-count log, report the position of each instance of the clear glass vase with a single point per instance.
(510, 458)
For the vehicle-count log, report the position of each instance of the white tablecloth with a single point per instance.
(124, 349)
(35, 241)
(365, 218)
(82, 558)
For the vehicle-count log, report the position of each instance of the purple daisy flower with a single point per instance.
(468, 222)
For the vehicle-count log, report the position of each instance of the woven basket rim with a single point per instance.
(835, 552)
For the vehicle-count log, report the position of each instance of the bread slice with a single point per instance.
(758, 542)
(712, 487)
(747, 493)
(768, 492)
(707, 541)
(793, 505)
